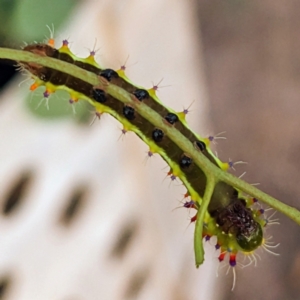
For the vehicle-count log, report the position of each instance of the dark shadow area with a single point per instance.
(136, 283)
(124, 238)
(16, 194)
(74, 205)
(5, 285)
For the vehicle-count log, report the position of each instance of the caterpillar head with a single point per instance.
(238, 220)
(250, 240)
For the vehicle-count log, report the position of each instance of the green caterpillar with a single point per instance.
(231, 216)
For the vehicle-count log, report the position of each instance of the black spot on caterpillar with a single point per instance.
(171, 118)
(237, 227)
(128, 112)
(99, 96)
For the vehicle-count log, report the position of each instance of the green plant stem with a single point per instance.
(208, 168)
(19, 55)
(198, 245)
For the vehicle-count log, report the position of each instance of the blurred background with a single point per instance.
(84, 213)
